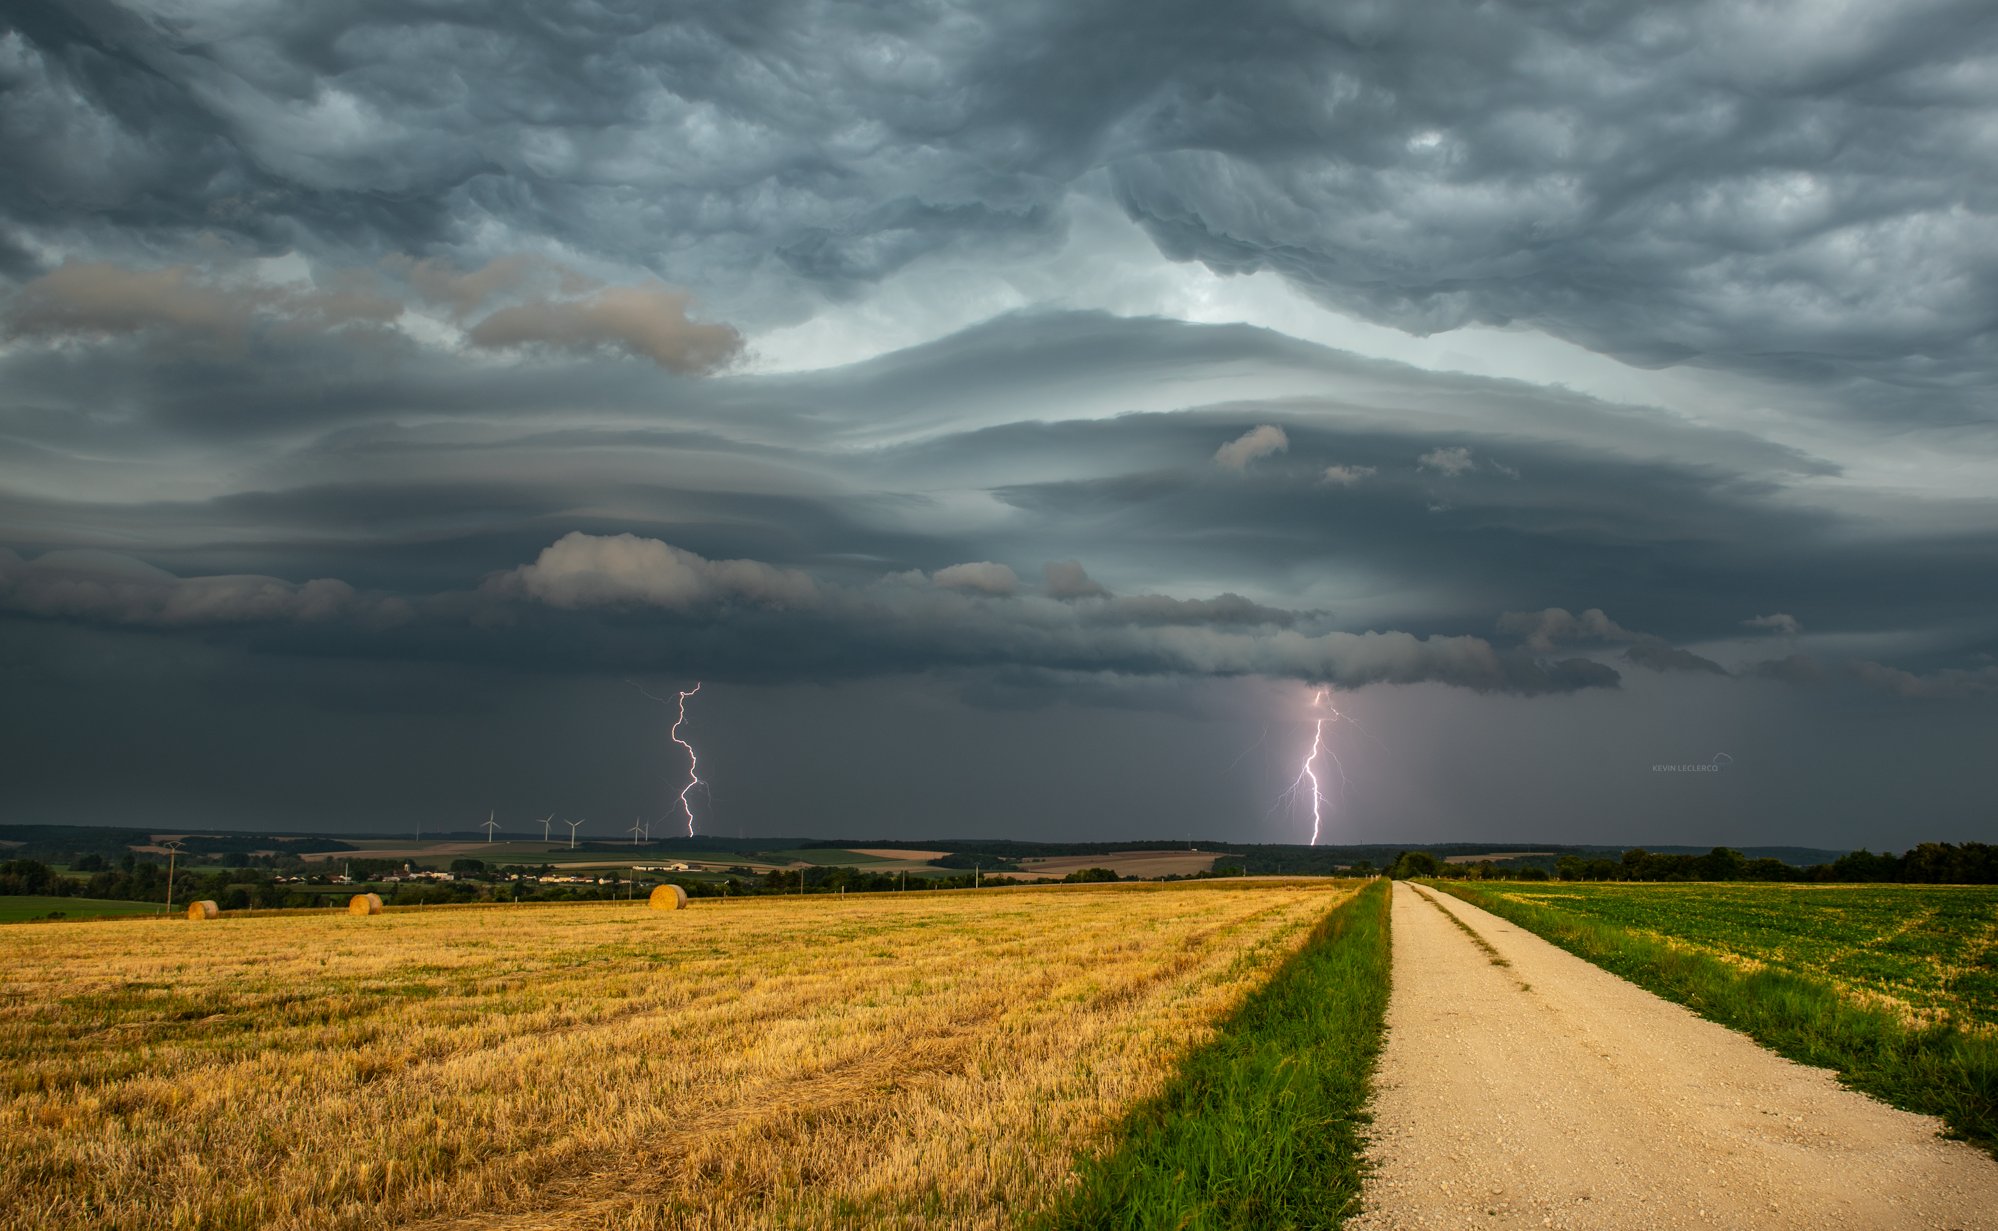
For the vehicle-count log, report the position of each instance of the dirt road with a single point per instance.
(1549, 1093)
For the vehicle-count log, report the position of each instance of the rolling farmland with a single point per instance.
(910, 1060)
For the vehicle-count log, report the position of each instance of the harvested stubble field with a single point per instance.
(920, 1060)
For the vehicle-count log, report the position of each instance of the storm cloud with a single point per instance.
(1603, 374)
(1635, 179)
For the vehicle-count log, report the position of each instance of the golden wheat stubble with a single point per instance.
(919, 1060)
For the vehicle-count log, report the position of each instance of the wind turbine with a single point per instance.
(572, 832)
(489, 826)
(634, 831)
(544, 825)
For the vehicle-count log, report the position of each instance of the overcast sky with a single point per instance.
(1013, 415)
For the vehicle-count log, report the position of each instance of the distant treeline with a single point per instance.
(143, 880)
(1930, 863)
(146, 881)
(70, 844)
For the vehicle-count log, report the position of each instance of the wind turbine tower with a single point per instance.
(489, 826)
(572, 832)
(544, 825)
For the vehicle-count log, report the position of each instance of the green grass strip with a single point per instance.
(1261, 1127)
(1939, 1070)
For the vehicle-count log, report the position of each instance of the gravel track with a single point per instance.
(1546, 1092)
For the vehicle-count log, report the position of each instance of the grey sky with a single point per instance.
(1011, 413)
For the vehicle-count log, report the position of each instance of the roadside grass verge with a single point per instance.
(1260, 1128)
(1940, 1069)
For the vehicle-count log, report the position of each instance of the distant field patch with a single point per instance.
(894, 854)
(1141, 864)
(907, 1060)
(1481, 856)
(831, 857)
(16, 909)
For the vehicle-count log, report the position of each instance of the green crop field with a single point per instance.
(1894, 986)
(15, 909)
(1931, 951)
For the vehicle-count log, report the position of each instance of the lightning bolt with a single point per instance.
(1310, 768)
(1308, 772)
(694, 778)
(693, 762)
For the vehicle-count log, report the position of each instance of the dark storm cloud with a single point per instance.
(1682, 546)
(623, 601)
(1782, 187)
(423, 470)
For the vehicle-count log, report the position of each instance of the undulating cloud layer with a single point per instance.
(356, 355)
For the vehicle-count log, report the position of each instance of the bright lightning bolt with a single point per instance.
(1308, 772)
(693, 762)
(1310, 769)
(694, 778)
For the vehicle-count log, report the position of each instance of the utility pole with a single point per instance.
(173, 849)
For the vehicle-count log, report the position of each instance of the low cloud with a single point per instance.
(1657, 654)
(1542, 631)
(1345, 476)
(755, 618)
(1067, 579)
(649, 322)
(1450, 462)
(1775, 622)
(104, 587)
(982, 576)
(975, 613)
(1250, 445)
(463, 293)
(528, 304)
(588, 570)
(83, 300)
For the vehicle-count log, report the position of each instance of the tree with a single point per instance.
(1415, 863)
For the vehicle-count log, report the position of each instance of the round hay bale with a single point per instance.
(203, 909)
(668, 897)
(365, 904)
